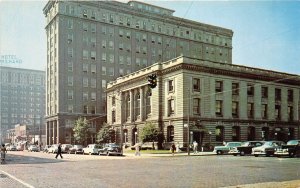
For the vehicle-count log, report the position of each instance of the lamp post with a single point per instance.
(209, 138)
(125, 140)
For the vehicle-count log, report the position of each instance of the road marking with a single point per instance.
(18, 180)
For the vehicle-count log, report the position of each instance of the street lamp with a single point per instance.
(125, 135)
(209, 138)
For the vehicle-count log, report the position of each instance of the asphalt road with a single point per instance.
(24, 169)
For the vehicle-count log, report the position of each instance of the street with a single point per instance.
(26, 169)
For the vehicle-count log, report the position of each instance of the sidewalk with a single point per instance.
(170, 154)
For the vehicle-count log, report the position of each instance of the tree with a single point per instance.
(150, 134)
(81, 130)
(105, 134)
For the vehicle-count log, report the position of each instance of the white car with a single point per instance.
(53, 148)
(33, 148)
(267, 149)
(92, 149)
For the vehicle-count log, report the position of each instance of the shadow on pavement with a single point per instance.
(21, 159)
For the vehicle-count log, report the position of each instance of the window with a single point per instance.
(196, 84)
(277, 112)
(93, 68)
(137, 105)
(219, 86)
(85, 67)
(70, 80)
(290, 95)
(113, 116)
(93, 109)
(290, 113)
(111, 71)
(70, 66)
(93, 96)
(85, 54)
(85, 96)
(235, 109)
(103, 57)
(277, 94)
(113, 101)
(103, 70)
(93, 55)
(70, 94)
(103, 83)
(85, 82)
(235, 88)
(219, 106)
(264, 111)
(93, 28)
(219, 133)
(250, 90)
(93, 83)
(171, 107)
(127, 115)
(250, 109)
(264, 92)
(70, 108)
(148, 102)
(70, 24)
(236, 133)
(196, 106)
(171, 85)
(85, 27)
(251, 133)
(170, 133)
(111, 45)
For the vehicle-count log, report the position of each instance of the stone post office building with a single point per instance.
(220, 102)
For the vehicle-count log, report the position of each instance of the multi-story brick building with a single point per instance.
(90, 43)
(220, 102)
(22, 97)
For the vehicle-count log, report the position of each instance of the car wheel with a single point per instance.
(255, 155)
(219, 152)
(242, 153)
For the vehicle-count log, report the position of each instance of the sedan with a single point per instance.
(267, 149)
(33, 148)
(291, 149)
(53, 148)
(111, 149)
(219, 150)
(76, 149)
(245, 148)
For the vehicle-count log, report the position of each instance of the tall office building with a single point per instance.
(22, 95)
(90, 43)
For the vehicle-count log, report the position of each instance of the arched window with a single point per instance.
(251, 133)
(236, 131)
(170, 133)
(219, 133)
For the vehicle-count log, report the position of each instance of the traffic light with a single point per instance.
(152, 82)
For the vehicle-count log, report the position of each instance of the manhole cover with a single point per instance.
(3, 176)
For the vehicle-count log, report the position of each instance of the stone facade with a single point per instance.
(220, 102)
(90, 43)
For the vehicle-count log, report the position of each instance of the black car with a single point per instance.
(291, 149)
(245, 148)
(111, 149)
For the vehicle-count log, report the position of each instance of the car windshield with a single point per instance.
(292, 142)
(270, 144)
(233, 144)
(245, 144)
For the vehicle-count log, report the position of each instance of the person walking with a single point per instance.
(195, 147)
(137, 150)
(3, 151)
(59, 151)
(173, 148)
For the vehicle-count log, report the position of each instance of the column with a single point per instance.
(142, 103)
(46, 133)
(131, 106)
(50, 133)
(54, 132)
(57, 131)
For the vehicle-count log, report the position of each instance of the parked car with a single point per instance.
(111, 149)
(45, 149)
(53, 148)
(33, 148)
(20, 147)
(76, 149)
(11, 148)
(65, 148)
(245, 148)
(291, 149)
(92, 149)
(267, 149)
(219, 150)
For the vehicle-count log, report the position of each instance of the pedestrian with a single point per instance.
(195, 147)
(173, 148)
(3, 151)
(59, 151)
(137, 150)
(177, 147)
